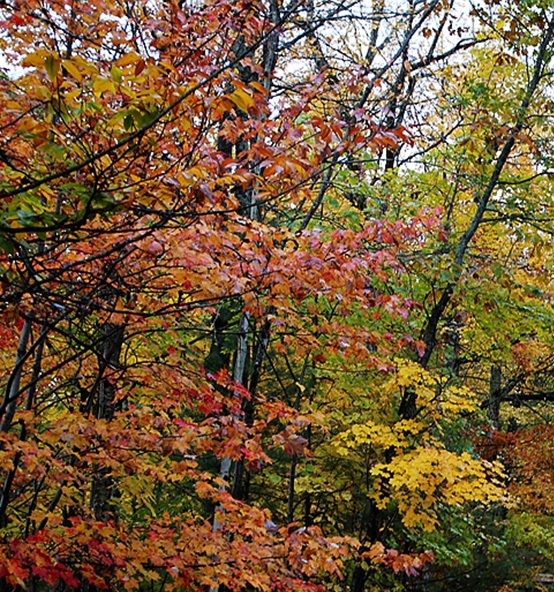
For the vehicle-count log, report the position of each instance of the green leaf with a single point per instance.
(7, 246)
(52, 66)
(116, 74)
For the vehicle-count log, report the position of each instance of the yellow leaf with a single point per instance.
(129, 58)
(35, 59)
(101, 85)
(242, 99)
(72, 69)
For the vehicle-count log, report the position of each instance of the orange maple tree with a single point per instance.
(144, 176)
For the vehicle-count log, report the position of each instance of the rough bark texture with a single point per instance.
(102, 488)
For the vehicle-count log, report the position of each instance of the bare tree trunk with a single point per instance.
(250, 209)
(495, 393)
(9, 404)
(11, 397)
(102, 487)
(358, 579)
(238, 376)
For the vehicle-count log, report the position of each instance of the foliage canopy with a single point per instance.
(276, 295)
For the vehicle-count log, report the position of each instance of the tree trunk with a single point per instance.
(12, 390)
(358, 579)
(495, 393)
(102, 487)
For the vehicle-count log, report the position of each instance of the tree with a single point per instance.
(240, 287)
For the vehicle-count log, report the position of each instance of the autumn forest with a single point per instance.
(276, 295)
